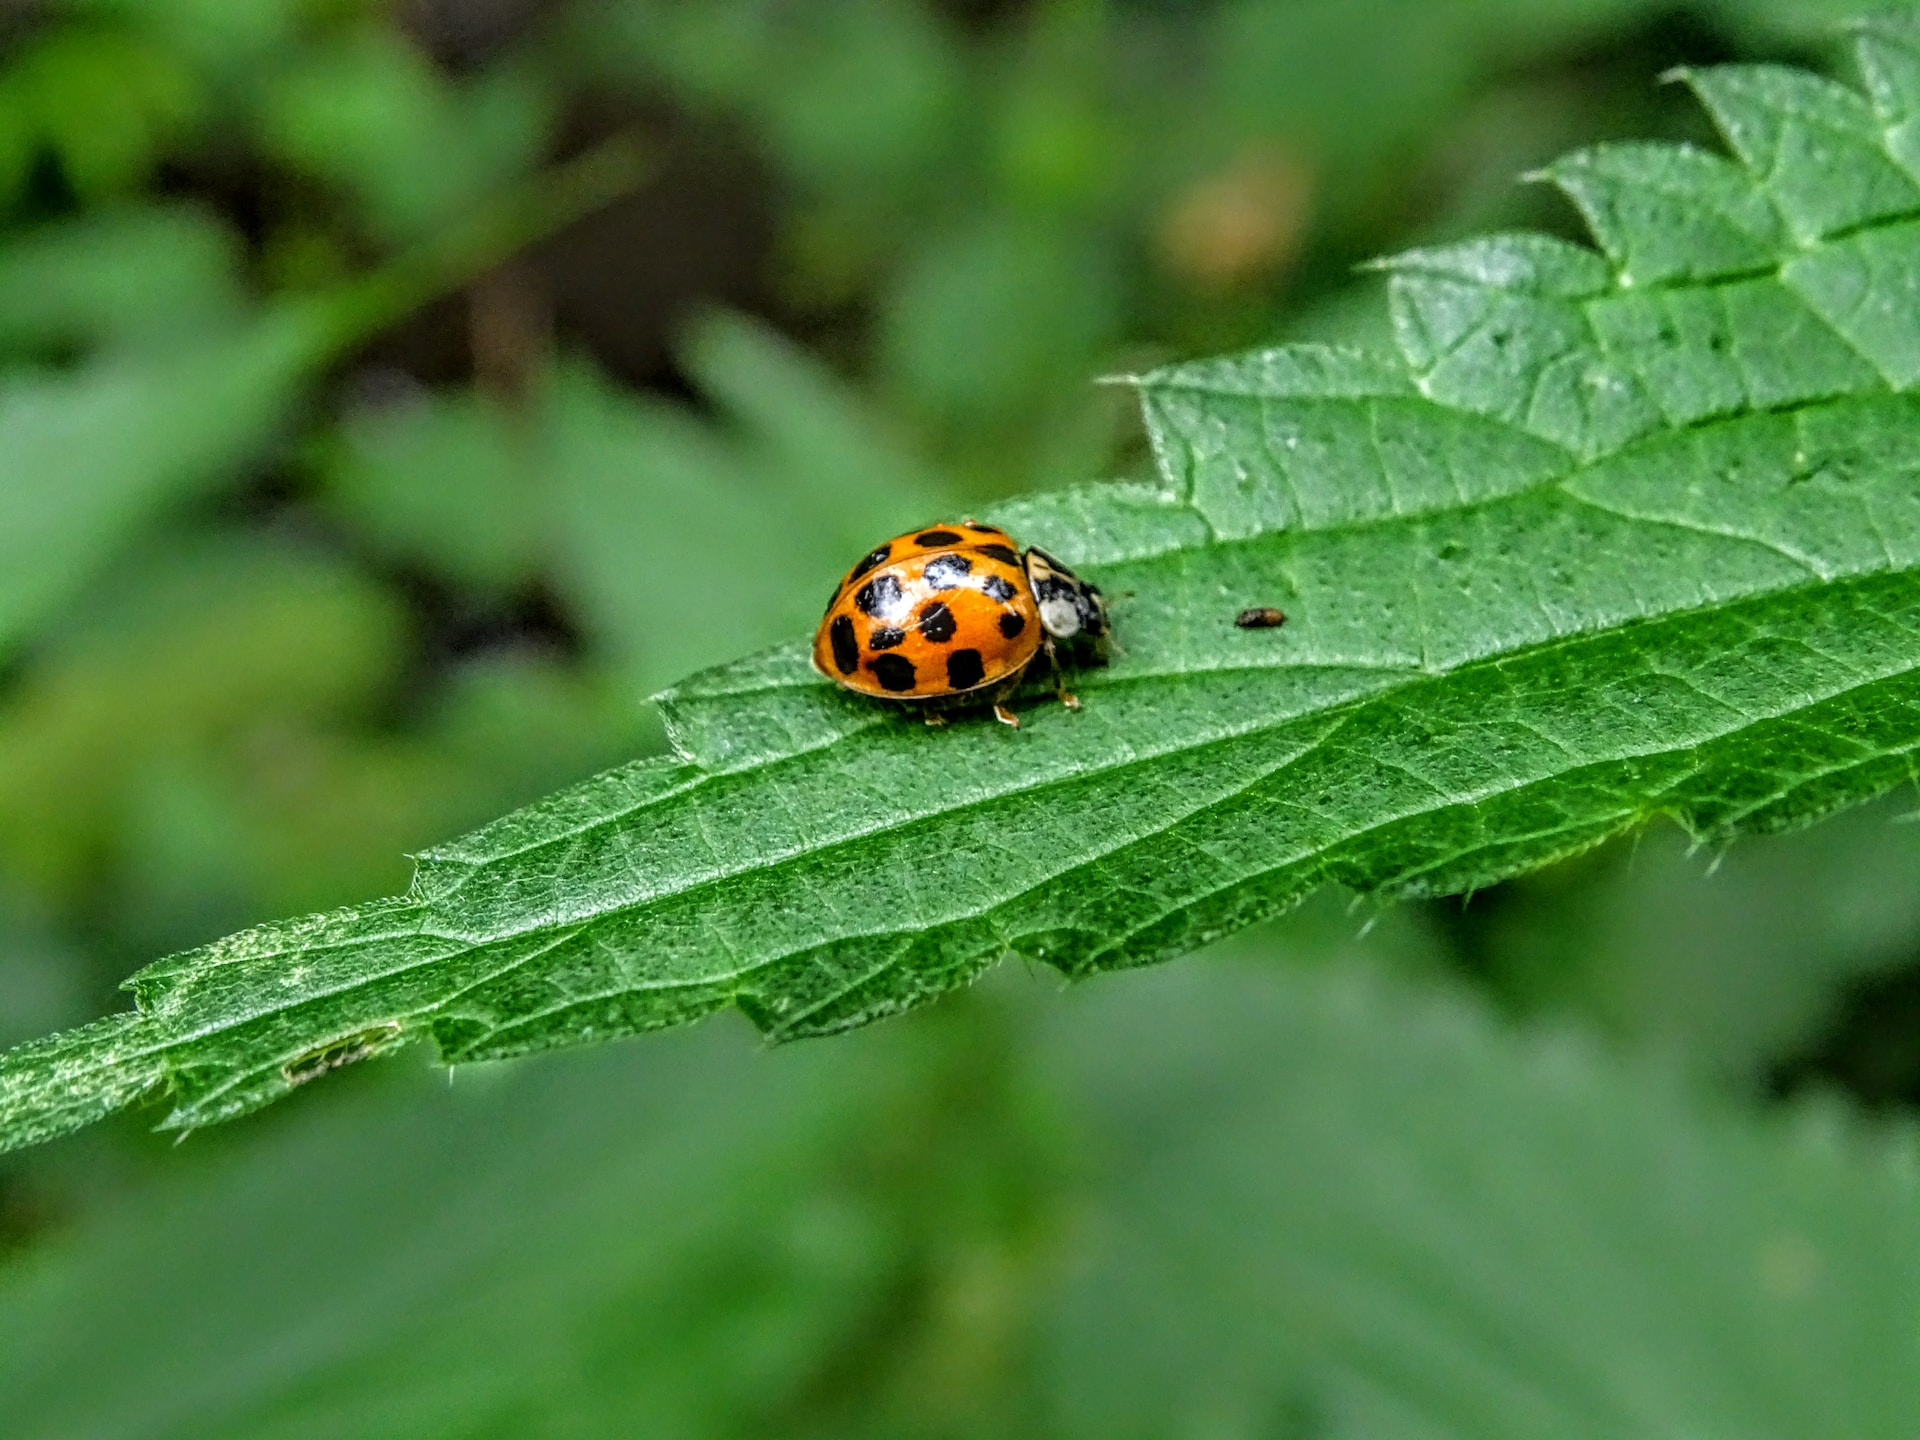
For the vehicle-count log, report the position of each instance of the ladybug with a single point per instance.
(953, 615)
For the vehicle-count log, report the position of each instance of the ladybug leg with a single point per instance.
(934, 718)
(1067, 697)
(1005, 716)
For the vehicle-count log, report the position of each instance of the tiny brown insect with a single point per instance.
(1260, 617)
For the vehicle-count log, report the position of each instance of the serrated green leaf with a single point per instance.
(1818, 146)
(1887, 47)
(64, 1081)
(1667, 213)
(1579, 554)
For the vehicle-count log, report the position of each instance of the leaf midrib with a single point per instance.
(1414, 678)
(1746, 720)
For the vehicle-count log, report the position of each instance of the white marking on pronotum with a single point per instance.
(1060, 617)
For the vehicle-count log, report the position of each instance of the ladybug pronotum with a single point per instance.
(953, 615)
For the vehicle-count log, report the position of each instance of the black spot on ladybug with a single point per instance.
(937, 623)
(881, 597)
(846, 649)
(985, 529)
(874, 557)
(894, 672)
(885, 637)
(997, 587)
(1003, 553)
(1012, 623)
(964, 669)
(937, 537)
(943, 572)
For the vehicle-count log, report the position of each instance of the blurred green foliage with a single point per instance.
(290, 586)
(1228, 1198)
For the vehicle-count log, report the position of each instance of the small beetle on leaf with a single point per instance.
(954, 615)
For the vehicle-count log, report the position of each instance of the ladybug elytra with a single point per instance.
(953, 615)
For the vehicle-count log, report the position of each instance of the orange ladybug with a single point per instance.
(954, 615)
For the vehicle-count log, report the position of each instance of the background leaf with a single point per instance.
(799, 470)
(1721, 961)
(369, 114)
(94, 455)
(1420, 1226)
(1398, 1217)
